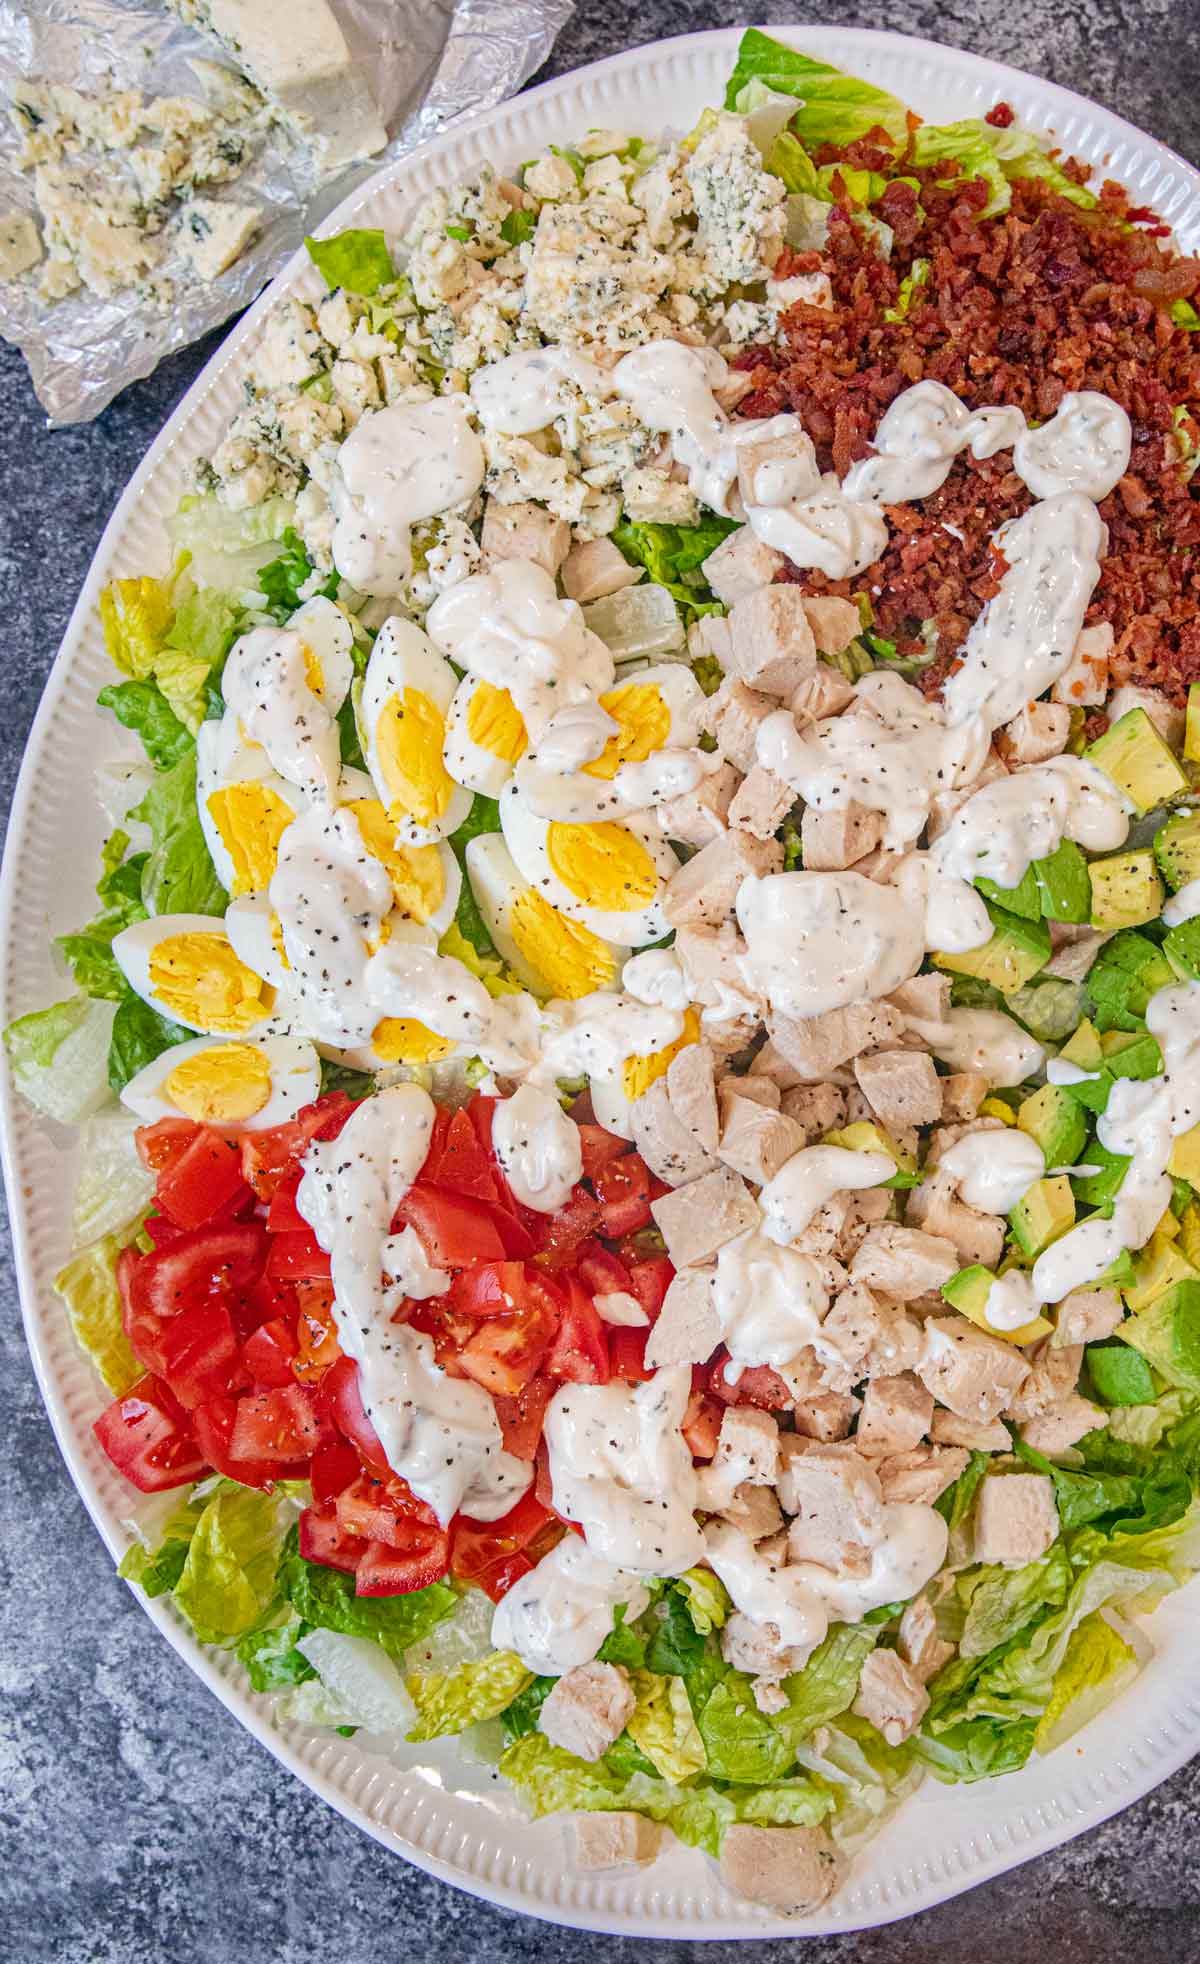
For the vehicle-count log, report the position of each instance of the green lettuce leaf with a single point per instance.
(142, 708)
(969, 144)
(866, 1777)
(1000, 1602)
(480, 1690)
(663, 1728)
(281, 579)
(228, 1578)
(88, 952)
(740, 1744)
(1112, 1491)
(833, 108)
(976, 1749)
(135, 615)
(357, 259)
(1097, 1666)
(624, 1643)
(205, 627)
(58, 1057)
(137, 1035)
(521, 1717)
(673, 556)
(114, 1188)
(271, 1658)
(88, 1287)
(825, 1688)
(916, 277)
(706, 1599)
(179, 876)
(325, 1598)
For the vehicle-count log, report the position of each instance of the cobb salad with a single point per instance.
(640, 1053)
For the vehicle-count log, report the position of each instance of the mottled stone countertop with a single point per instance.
(137, 1821)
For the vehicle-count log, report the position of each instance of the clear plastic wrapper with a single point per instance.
(428, 62)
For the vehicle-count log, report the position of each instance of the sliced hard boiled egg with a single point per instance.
(328, 638)
(485, 736)
(243, 811)
(656, 706)
(186, 967)
(256, 937)
(612, 1097)
(398, 1040)
(426, 880)
(402, 714)
(237, 1084)
(548, 951)
(609, 875)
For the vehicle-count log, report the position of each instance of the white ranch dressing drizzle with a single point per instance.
(558, 1615)
(993, 1169)
(1003, 827)
(538, 1148)
(769, 1302)
(410, 1271)
(1184, 905)
(983, 1040)
(620, 1466)
(810, 1178)
(510, 627)
(817, 941)
(268, 697)
(331, 896)
(407, 977)
(954, 916)
(918, 439)
(398, 466)
(525, 392)
(1084, 447)
(440, 1434)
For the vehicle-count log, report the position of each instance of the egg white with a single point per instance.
(219, 766)
(610, 1100)
(134, 950)
(295, 1072)
(498, 888)
(527, 837)
(680, 716)
(468, 761)
(328, 634)
(404, 658)
(441, 916)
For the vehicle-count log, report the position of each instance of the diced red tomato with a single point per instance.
(490, 1289)
(522, 1416)
(203, 1263)
(601, 1272)
(561, 1233)
(758, 1385)
(283, 1215)
(265, 1301)
(161, 1231)
(268, 1157)
(504, 1353)
(197, 1353)
(383, 1510)
(387, 1571)
(160, 1145)
(147, 1437)
(214, 1423)
(627, 1355)
(458, 1161)
(511, 1224)
(623, 1189)
(323, 1540)
(702, 1425)
(649, 1281)
(496, 1554)
(334, 1465)
(270, 1353)
(342, 1400)
(579, 1353)
(480, 1111)
(599, 1149)
(499, 1577)
(455, 1232)
(316, 1331)
(204, 1179)
(297, 1258)
(282, 1423)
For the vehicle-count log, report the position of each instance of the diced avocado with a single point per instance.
(1016, 951)
(1098, 1188)
(1123, 977)
(1184, 1162)
(1156, 1267)
(1191, 735)
(1125, 1053)
(1126, 889)
(1138, 761)
(1177, 843)
(968, 1292)
(1189, 1234)
(1021, 899)
(1083, 1048)
(1168, 1335)
(863, 1136)
(1181, 946)
(1042, 1214)
(1118, 1274)
(1064, 890)
(1049, 1007)
(995, 1107)
(1120, 1376)
(1168, 1225)
(1052, 1117)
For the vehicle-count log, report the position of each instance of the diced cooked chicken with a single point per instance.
(890, 1696)
(1087, 1316)
(1084, 682)
(977, 1435)
(709, 636)
(1053, 1375)
(1166, 716)
(711, 960)
(874, 1338)
(766, 463)
(896, 1414)
(1016, 1518)
(756, 1141)
(831, 840)
(1040, 731)
(687, 1329)
(904, 1263)
(827, 1416)
(761, 803)
(614, 1841)
(944, 1136)
(816, 1108)
(789, 1869)
(667, 1144)
(826, 691)
(697, 816)
(925, 997)
(771, 642)
(867, 1208)
(705, 889)
(835, 1497)
(752, 1089)
(1072, 959)
(738, 713)
(935, 1206)
(753, 1511)
(740, 565)
(524, 531)
(816, 1045)
(947, 803)
(901, 1086)
(922, 1473)
(594, 568)
(691, 1087)
(747, 1447)
(835, 624)
(698, 1220)
(962, 1094)
(587, 1709)
(1062, 1425)
(758, 1648)
(974, 1375)
(918, 1641)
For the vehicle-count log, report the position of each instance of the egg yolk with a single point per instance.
(641, 1072)
(277, 941)
(418, 881)
(223, 1085)
(409, 733)
(568, 956)
(495, 723)
(198, 979)
(402, 1040)
(604, 865)
(314, 674)
(644, 725)
(251, 818)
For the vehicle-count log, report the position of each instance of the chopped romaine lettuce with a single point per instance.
(325, 1598)
(281, 579)
(114, 1188)
(357, 259)
(362, 1682)
(663, 1728)
(137, 1035)
(179, 876)
(58, 1057)
(88, 1287)
(673, 556)
(143, 708)
(481, 1689)
(833, 107)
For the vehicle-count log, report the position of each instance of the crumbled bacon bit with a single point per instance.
(1002, 116)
